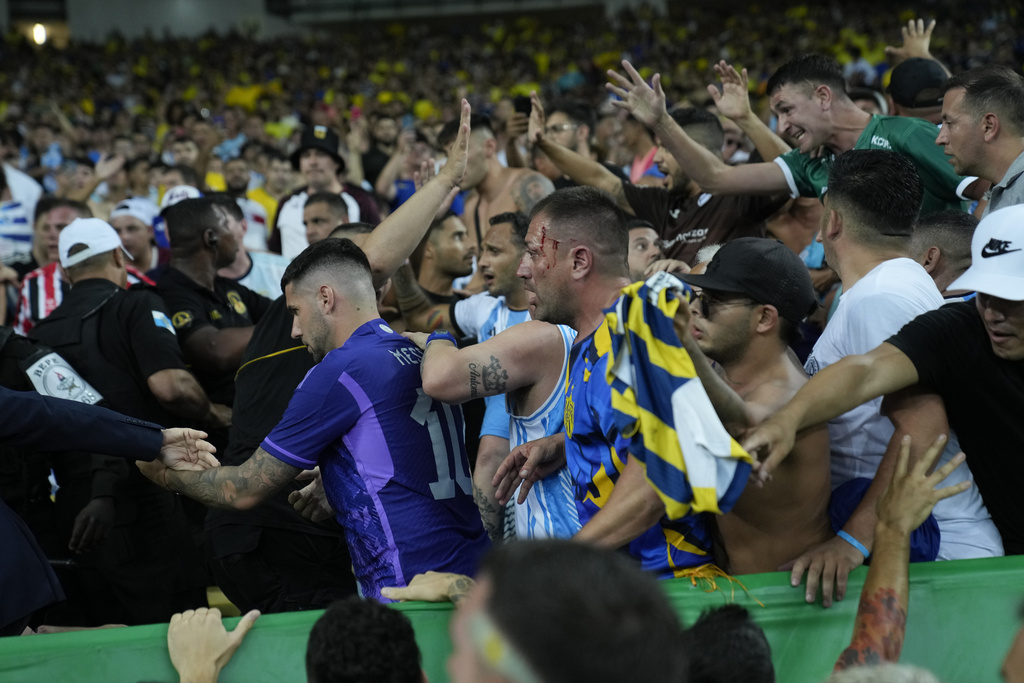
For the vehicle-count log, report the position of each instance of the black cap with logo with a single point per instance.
(322, 138)
(763, 269)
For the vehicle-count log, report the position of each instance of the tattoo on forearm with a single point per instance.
(459, 589)
(491, 514)
(474, 381)
(495, 377)
(878, 633)
(223, 487)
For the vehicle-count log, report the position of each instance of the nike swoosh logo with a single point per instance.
(987, 253)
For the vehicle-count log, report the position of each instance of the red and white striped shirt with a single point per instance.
(43, 290)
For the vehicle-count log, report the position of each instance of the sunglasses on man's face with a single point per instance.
(707, 302)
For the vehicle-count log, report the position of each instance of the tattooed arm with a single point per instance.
(240, 488)
(420, 315)
(882, 613)
(530, 189)
(516, 358)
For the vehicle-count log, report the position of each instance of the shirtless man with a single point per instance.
(754, 294)
(495, 189)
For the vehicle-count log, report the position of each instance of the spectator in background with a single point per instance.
(19, 194)
(324, 213)
(639, 140)
(447, 254)
(915, 89)
(259, 271)
(322, 167)
(941, 242)
(276, 185)
(383, 142)
(395, 182)
(983, 130)
(236, 180)
(133, 220)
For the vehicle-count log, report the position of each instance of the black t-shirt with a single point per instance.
(273, 365)
(688, 223)
(116, 338)
(984, 397)
(193, 307)
(374, 162)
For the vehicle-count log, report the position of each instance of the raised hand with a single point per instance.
(733, 99)
(645, 102)
(535, 129)
(917, 38)
(458, 156)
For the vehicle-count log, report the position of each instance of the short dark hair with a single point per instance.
(701, 125)
(993, 88)
(450, 130)
(47, 204)
(188, 174)
(326, 254)
(725, 644)
(599, 618)
(362, 641)
(357, 228)
(274, 154)
(812, 69)
(593, 218)
(520, 224)
(332, 199)
(880, 190)
(187, 220)
(950, 230)
(130, 165)
(228, 203)
(577, 111)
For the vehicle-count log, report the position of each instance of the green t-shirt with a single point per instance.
(914, 138)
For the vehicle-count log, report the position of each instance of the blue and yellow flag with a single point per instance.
(663, 409)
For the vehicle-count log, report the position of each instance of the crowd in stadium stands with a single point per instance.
(710, 290)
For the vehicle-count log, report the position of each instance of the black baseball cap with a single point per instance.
(765, 270)
(917, 83)
(322, 138)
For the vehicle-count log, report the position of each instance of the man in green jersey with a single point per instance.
(809, 98)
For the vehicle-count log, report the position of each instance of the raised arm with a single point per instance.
(833, 391)
(881, 620)
(518, 357)
(399, 234)
(420, 314)
(582, 170)
(733, 101)
(647, 104)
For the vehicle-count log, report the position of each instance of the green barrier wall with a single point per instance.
(962, 620)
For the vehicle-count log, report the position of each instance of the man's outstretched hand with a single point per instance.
(185, 449)
(528, 463)
(733, 99)
(645, 102)
(199, 644)
(458, 156)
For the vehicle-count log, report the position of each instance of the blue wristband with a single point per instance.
(855, 543)
(442, 334)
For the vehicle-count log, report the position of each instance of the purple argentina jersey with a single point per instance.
(392, 459)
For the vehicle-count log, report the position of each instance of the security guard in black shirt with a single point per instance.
(213, 316)
(124, 344)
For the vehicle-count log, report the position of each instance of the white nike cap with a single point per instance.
(97, 236)
(997, 256)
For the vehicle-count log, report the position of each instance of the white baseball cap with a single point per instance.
(137, 207)
(97, 236)
(997, 256)
(179, 193)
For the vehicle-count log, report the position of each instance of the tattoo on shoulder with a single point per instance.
(531, 189)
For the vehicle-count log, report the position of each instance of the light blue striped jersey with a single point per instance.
(550, 507)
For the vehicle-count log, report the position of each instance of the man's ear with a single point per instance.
(582, 261)
(989, 127)
(118, 258)
(834, 226)
(824, 95)
(768, 320)
(490, 146)
(326, 298)
(930, 259)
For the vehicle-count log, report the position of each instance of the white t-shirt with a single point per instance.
(256, 222)
(293, 230)
(875, 308)
(264, 277)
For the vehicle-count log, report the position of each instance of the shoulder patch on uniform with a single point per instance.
(160, 319)
(182, 319)
(52, 376)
